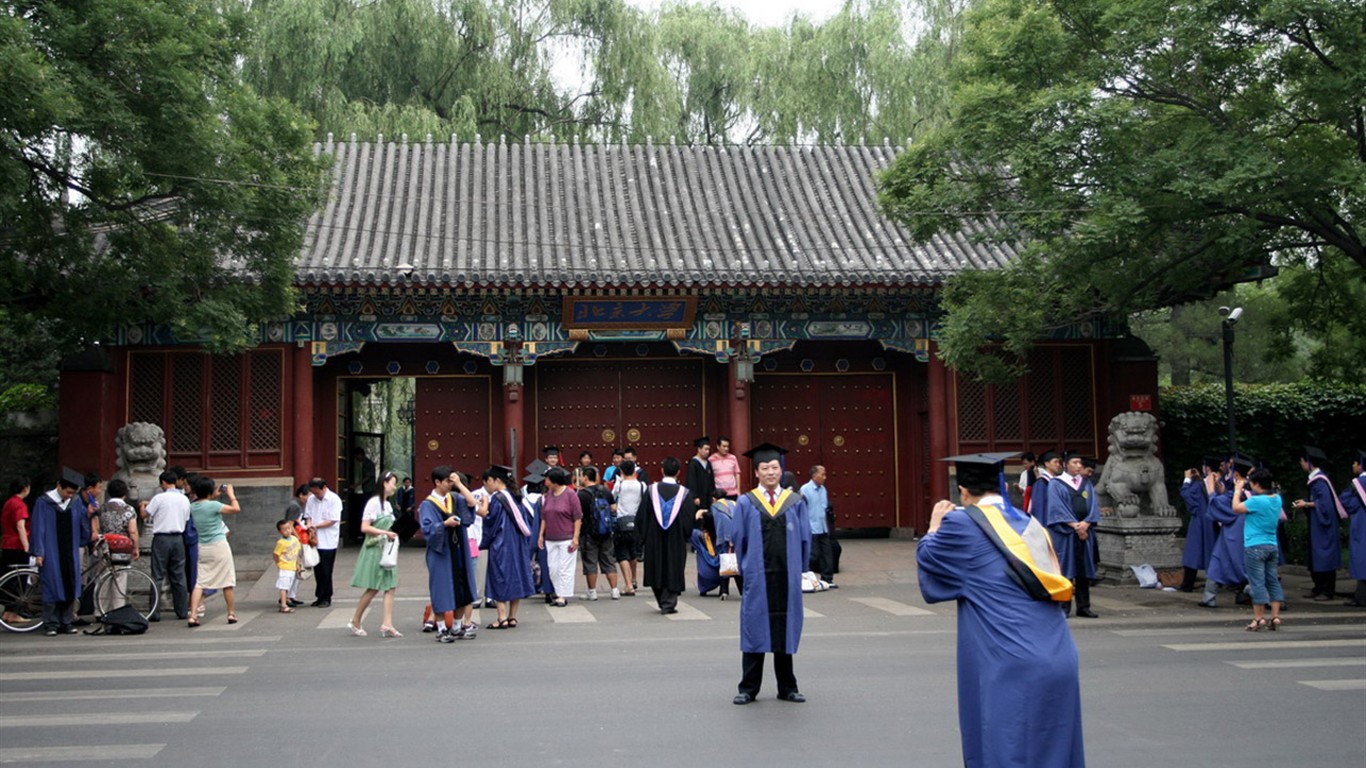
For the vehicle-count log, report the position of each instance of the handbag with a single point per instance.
(310, 556)
(389, 557)
(729, 564)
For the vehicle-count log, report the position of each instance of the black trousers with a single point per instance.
(1081, 586)
(1325, 582)
(667, 600)
(322, 574)
(1188, 579)
(822, 557)
(752, 673)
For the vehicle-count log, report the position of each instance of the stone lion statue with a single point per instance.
(1133, 482)
(140, 456)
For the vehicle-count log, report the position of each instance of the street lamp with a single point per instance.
(1230, 319)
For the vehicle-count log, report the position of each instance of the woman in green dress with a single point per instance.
(376, 522)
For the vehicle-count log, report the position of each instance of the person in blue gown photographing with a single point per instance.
(1019, 690)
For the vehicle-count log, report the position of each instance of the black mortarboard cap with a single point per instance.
(1069, 455)
(549, 449)
(1047, 456)
(1243, 464)
(981, 469)
(71, 478)
(1087, 461)
(1360, 457)
(501, 472)
(765, 452)
(1213, 462)
(535, 471)
(701, 441)
(1314, 456)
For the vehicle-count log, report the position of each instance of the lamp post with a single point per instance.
(1230, 319)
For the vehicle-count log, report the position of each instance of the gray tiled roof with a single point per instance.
(557, 215)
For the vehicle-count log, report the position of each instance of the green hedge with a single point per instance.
(1274, 421)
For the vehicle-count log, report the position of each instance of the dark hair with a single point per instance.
(117, 488)
(1027, 456)
(317, 482)
(628, 449)
(168, 477)
(441, 472)
(618, 452)
(1262, 477)
(17, 485)
(557, 475)
(93, 479)
(723, 439)
(978, 487)
(816, 468)
(628, 468)
(63, 482)
(202, 486)
(289, 523)
(301, 490)
(788, 479)
(178, 471)
(718, 494)
(671, 467)
(589, 473)
(589, 454)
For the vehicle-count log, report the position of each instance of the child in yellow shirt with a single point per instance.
(287, 551)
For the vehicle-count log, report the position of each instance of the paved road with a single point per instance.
(613, 682)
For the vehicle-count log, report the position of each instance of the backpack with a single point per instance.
(124, 620)
(602, 514)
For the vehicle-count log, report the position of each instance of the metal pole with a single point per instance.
(1228, 388)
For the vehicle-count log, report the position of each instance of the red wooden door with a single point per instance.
(847, 423)
(452, 425)
(654, 405)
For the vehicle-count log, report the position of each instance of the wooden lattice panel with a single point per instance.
(147, 388)
(225, 405)
(187, 398)
(263, 402)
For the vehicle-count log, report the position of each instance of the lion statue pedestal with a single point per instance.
(1138, 524)
(140, 455)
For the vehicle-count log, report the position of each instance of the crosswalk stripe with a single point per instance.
(688, 613)
(1335, 685)
(101, 657)
(219, 622)
(86, 674)
(96, 718)
(810, 614)
(26, 755)
(337, 618)
(892, 606)
(1265, 645)
(178, 637)
(570, 614)
(113, 693)
(1298, 663)
(1223, 628)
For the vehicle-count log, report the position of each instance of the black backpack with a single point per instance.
(124, 620)
(602, 513)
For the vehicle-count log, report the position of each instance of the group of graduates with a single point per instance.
(766, 528)
(1214, 541)
(1062, 498)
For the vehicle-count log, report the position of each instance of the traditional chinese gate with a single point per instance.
(655, 405)
(452, 425)
(845, 422)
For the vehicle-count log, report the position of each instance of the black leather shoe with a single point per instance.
(794, 697)
(1087, 613)
(295, 603)
(742, 699)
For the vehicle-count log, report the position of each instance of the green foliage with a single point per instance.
(697, 73)
(26, 397)
(1153, 153)
(139, 179)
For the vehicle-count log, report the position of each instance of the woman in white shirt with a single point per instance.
(628, 492)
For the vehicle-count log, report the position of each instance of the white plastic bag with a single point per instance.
(1146, 575)
(389, 557)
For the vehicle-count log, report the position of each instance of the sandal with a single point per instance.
(499, 624)
(232, 618)
(192, 623)
(1255, 625)
(560, 603)
(512, 623)
(286, 609)
(1275, 623)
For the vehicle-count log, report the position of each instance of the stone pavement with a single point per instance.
(886, 567)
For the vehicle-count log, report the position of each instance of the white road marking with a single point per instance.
(96, 718)
(810, 614)
(90, 674)
(111, 693)
(892, 606)
(25, 755)
(570, 614)
(1265, 645)
(1223, 629)
(1336, 685)
(1298, 663)
(153, 655)
(688, 613)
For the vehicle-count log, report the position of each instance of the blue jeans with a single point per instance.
(1260, 562)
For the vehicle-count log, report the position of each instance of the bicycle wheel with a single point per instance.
(126, 586)
(21, 595)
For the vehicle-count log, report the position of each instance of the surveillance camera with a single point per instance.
(1235, 314)
(1223, 311)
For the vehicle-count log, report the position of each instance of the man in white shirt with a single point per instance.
(323, 511)
(168, 512)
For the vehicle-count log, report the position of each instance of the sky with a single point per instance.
(769, 12)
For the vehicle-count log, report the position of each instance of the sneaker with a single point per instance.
(429, 626)
(592, 594)
(49, 633)
(616, 593)
(445, 636)
(470, 632)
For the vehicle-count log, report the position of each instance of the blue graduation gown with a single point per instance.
(1059, 515)
(1201, 533)
(60, 575)
(1226, 561)
(747, 535)
(1019, 693)
(1356, 533)
(722, 516)
(1325, 546)
(509, 576)
(708, 563)
(1038, 499)
(448, 557)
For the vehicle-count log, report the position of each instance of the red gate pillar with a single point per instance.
(302, 403)
(514, 419)
(739, 411)
(939, 425)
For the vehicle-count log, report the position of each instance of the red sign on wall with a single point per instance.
(1140, 402)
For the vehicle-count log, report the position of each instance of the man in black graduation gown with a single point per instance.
(700, 481)
(665, 521)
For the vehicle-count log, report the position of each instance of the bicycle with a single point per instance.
(119, 583)
(22, 596)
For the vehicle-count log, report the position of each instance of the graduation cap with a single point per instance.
(71, 478)
(765, 452)
(1089, 462)
(1045, 457)
(535, 471)
(1213, 462)
(1243, 464)
(701, 441)
(981, 470)
(1360, 457)
(551, 450)
(500, 472)
(1314, 456)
